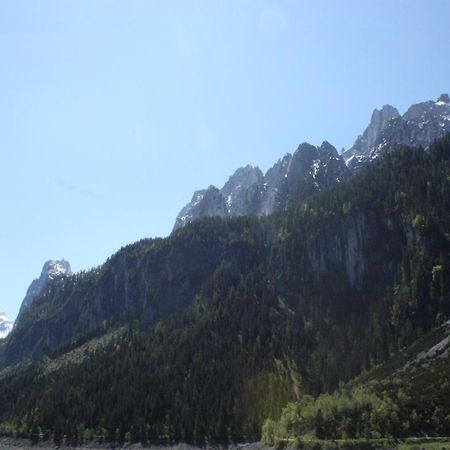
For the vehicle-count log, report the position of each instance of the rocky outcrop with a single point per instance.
(52, 270)
(6, 325)
(250, 193)
(312, 169)
(365, 142)
(421, 124)
(242, 191)
(205, 203)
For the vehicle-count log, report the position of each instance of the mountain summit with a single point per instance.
(52, 270)
(5, 325)
(248, 192)
(365, 142)
(421, 124)
(310, 169)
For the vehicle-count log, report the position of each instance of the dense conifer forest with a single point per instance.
(241, 326)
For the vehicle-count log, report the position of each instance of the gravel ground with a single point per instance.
(23, 444)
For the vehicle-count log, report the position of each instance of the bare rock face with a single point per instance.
(273, 181)
(5, 325)
(52, 270)
(242, 191)
(205, 203)
(250, 193)
(312, 169)
(295, 177)
(421, 124)
(366, 141)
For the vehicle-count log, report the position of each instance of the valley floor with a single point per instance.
(24, 444)
(409, 444)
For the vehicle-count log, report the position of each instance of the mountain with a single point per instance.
(407, 395)
(210, 332)
(205, 203)
(5, 325)
(421, 124)
(365, 142)
(52, 270)
(248, 192)
(309, 170)
(242, 191)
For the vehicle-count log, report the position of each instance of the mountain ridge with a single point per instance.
(294, 177)
(249, 192)
(419, 126)
(210, 332)
(226, 321)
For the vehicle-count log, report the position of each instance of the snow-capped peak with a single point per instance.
(57, 268)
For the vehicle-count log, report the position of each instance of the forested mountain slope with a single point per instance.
(214, 329)
(409, 395)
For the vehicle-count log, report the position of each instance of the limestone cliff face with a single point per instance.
(248, 192)
(365, 142)
(421, 124)
(205, 203)
(242, 191)
(273, 180)
(310, 169)
(358, 244)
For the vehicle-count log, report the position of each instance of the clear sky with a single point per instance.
(113, 112)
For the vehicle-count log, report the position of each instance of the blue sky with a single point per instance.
(113, 112)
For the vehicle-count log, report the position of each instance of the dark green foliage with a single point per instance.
(410, 402)
(229, 320)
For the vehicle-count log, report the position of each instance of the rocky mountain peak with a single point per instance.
(56, 268)
(205, 203)
(365, 142)
(426, 112)
(326, 149)
(303, 155)
(421, 124)
(328, 168)
(310, 169)
(242, 190)
(249, 192)
(53, 269)
(6, 325)
(304, 147)
(244, 176)
(443, 98)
